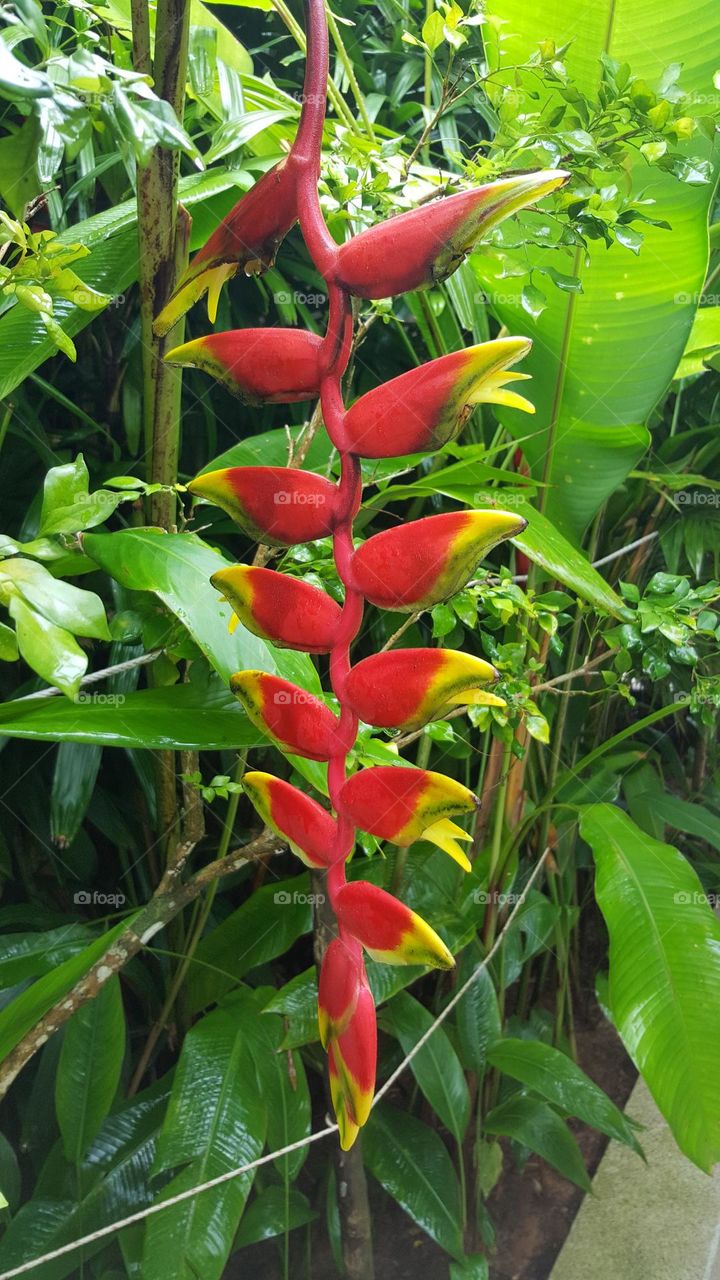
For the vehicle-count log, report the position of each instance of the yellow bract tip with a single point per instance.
(445, 834)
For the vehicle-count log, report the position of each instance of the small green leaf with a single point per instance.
(535, 1125)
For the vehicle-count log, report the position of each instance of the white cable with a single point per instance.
(114, 1227)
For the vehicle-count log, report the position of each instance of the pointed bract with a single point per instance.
(290, 613)
(417, 565)
(296, 721)
(308, 828)
(262, 366)
(341, 976)
(418, 249)
(354, 1059)
(278, 505)
(388, 930)
(246, 240)
(406, 688)
(425, 408)
(403, 805)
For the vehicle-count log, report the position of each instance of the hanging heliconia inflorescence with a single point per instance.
(409, 568)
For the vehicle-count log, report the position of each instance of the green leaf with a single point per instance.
(436, 1067)
(26, 1009)
(19, 81)
(27, 955)
(177, 568)
(181, 717)
(80, 612)
(262, 928)
(602, 358)
(681, 815)
(8, 644)
(703, 342)
(216, 1120)
(49, 650)
(283, 1085)
(412, 1164)
(477, 1016)
(664, 986)
(561, 1082)
(536, 1126)
(89, 1068)
(543, 543)
(271, 1214)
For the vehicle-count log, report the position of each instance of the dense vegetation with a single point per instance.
(158, 986)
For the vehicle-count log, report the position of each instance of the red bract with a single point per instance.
(247, 238)
(278, 505)
(388, 930)
(423, 409)
(290, 613)
(417, 565)
(341, 977)
(405, 688)
(308, 828)
(276, 366)
(404, 805)
(292, 717)
(418, 249)
(354, 1059)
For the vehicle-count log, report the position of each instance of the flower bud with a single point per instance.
(295, 720)
(425, 408)
(290, 613)
(419, 249)
(403, 805)
(389, 931)
(262, 366)
(248, 238)
(405, 688)
(416, 565)
(341, 977)
(353, 1064)
(308, 828)
(277, 505)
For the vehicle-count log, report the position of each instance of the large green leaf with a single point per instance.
(110, 268)
(181, 717)
(436, 1066)
(534, 1124)
(177, 568)
(552, 1074)
(412, 1164)
(282, 1080)
(664, 985)
(602, 359)
(89, 1068)
(477, 1016)
(216, 1120)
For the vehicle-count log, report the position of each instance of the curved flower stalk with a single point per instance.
(408, 568)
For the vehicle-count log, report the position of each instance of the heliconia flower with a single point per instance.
(418, 249)
(405, 688)
(424, 408)
(248, 238)
(353, 1063)
(341, 977)
(389, 931)
(277, 505)
(292, 717)
(308, 828)
(403, 805)
(419, 564)
(274, 366)
(284, 610)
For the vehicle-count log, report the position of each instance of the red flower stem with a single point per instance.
(335, 355)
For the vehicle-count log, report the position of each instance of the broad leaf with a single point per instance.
(89, 1068)
(664, 985)
(477, 1016)
(535, 1125)
(412, 1164)
(435, 1067)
